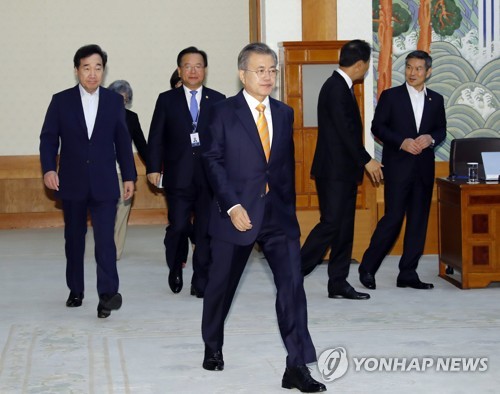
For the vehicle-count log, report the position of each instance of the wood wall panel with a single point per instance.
(319, 56)
(296, 56)
(296, 104)
(319, 20)
(293, 78)
(310, 136)
(25, 202)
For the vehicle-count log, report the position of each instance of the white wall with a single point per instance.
(142, 38)
(39, 38)
(283, 22)
(354, 20)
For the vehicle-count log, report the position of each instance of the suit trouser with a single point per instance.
(283, 257)
(102, 214)
(335, 230)
(122, 214)
(411, 197)
(182, 204)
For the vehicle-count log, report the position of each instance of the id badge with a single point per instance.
(195, 139)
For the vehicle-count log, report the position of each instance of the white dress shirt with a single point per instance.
(90, 103)
(417, 102)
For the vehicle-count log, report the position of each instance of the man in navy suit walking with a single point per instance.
(410, 121)
(249, 156)
(340, 160)
(175, 138)
(86, 126)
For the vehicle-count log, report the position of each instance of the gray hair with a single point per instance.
(422, 55)
(255, 47)
(122, 87)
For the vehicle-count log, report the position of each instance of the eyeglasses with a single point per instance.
(261, 73)
(196, 67)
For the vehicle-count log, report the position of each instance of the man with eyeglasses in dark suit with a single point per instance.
(175, 139)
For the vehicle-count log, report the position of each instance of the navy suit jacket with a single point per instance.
(87, 167)
(340, 153)
(394, 121)
(169, 141)
(238, 171)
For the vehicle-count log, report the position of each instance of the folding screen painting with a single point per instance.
(463, 38)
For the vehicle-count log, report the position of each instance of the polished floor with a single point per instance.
(441, 341)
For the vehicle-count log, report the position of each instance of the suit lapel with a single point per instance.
(77, 104)
(244, 113)
(100, 110)
(407, 107)
(183, 106)
(205, 98)
(425, 113)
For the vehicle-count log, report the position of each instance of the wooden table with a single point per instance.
(469, 231)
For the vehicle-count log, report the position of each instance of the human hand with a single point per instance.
(424, 141)
(154, 178)
(411, 146)
(51, 180)
(239, 218)
(128, 190)
(374, 169)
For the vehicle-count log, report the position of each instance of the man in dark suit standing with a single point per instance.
(410, 121)
(87, 122)
(338, 165)
(249, 156)
(179, 123)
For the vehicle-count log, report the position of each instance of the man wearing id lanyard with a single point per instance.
(175, 138)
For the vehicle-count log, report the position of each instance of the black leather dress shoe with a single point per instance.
(175, 280)
(415, 284)
(349, 293)
(367, 280)
(74, 300)
(300, 378)
(107, 304)
(213, 360)
(196, 293)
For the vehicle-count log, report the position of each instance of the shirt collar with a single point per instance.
(414, 91)
(253, 102)
(346, 77)
(84, 93)
(188, 91)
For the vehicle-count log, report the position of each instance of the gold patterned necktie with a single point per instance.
(264, 134)
(263, 130)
